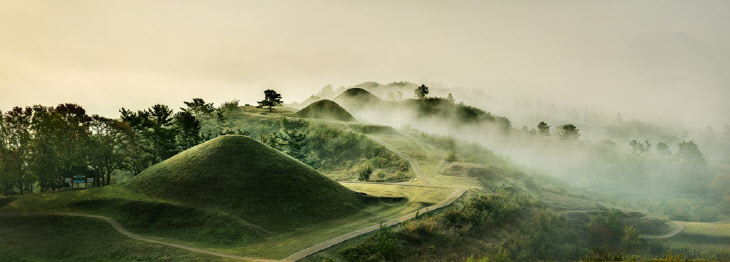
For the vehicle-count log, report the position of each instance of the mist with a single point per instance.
(651, 59)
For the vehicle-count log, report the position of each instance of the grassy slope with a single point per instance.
(59, 238)
(193, 220)
(325, 109)
(249, 180)
(702, 235)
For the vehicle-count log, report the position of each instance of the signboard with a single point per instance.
(90, 180)
(79, 179)
(67, 180)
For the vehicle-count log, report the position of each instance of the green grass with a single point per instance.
(325, 109)
(428, 157)
(60, 238)
(249, 180)
(236, 196)
(416, 194)
(702, 235)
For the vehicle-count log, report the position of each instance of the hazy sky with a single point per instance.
(651, 57)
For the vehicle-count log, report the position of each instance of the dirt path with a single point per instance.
(414, 165)
(679, 229)
(126, 232)
(321, 246)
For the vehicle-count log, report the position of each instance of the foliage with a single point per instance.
(365, 173)
(543, 129)
(421, 91)
(639, 148)
(569, 132)
(271, 99)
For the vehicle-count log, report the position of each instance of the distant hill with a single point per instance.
(325, 109)
(355, 98)
(244, 177)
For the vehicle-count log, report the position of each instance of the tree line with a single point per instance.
(41, 144)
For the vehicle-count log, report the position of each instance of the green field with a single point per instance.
(702, 235)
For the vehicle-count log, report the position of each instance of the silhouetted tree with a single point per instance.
(663, 148)
(271, 99)
(199, 108)
(690, 152)
(543, 129)
(421, 91)
(450, 97)
(188, 130)
(639, 148)
(569, 132)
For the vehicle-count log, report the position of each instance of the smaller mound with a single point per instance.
(325, 109)
(357, 97)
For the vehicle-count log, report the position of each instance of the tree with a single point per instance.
(569, 132)
(271, 99)
(543, 129)
(399, 95)
(450, 98)
(17, 138)
(45, 162)
(73, 136)
(295, 143)
(365, 173)
(663, 148)
(630, 238)
(160, 131)
(188, 130)
(639, 148)
(109, 138)
(199, 108)
(690, 152)
(421, 91)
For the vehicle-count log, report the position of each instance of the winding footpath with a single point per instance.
(458, 192)
(679, 229)
(414, 165)
(129, 234)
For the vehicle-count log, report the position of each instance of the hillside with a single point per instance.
(356, 98)
(244, 177)
(325, 109)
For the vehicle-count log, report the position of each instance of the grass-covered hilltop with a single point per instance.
(353, 174)
(257, 183)
(325, 109)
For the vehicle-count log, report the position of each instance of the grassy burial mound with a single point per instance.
(357, 98)
(325, 109)
(244, 178)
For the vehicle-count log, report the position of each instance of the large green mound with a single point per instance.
(357, 97)
(325, 109)
(250, 180)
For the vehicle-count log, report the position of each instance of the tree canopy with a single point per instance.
(421, 91)
(271, 99)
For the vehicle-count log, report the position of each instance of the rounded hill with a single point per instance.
(325, 109)
(242, 177)
(357, 94)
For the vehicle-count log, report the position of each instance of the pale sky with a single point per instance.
(653, 57)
